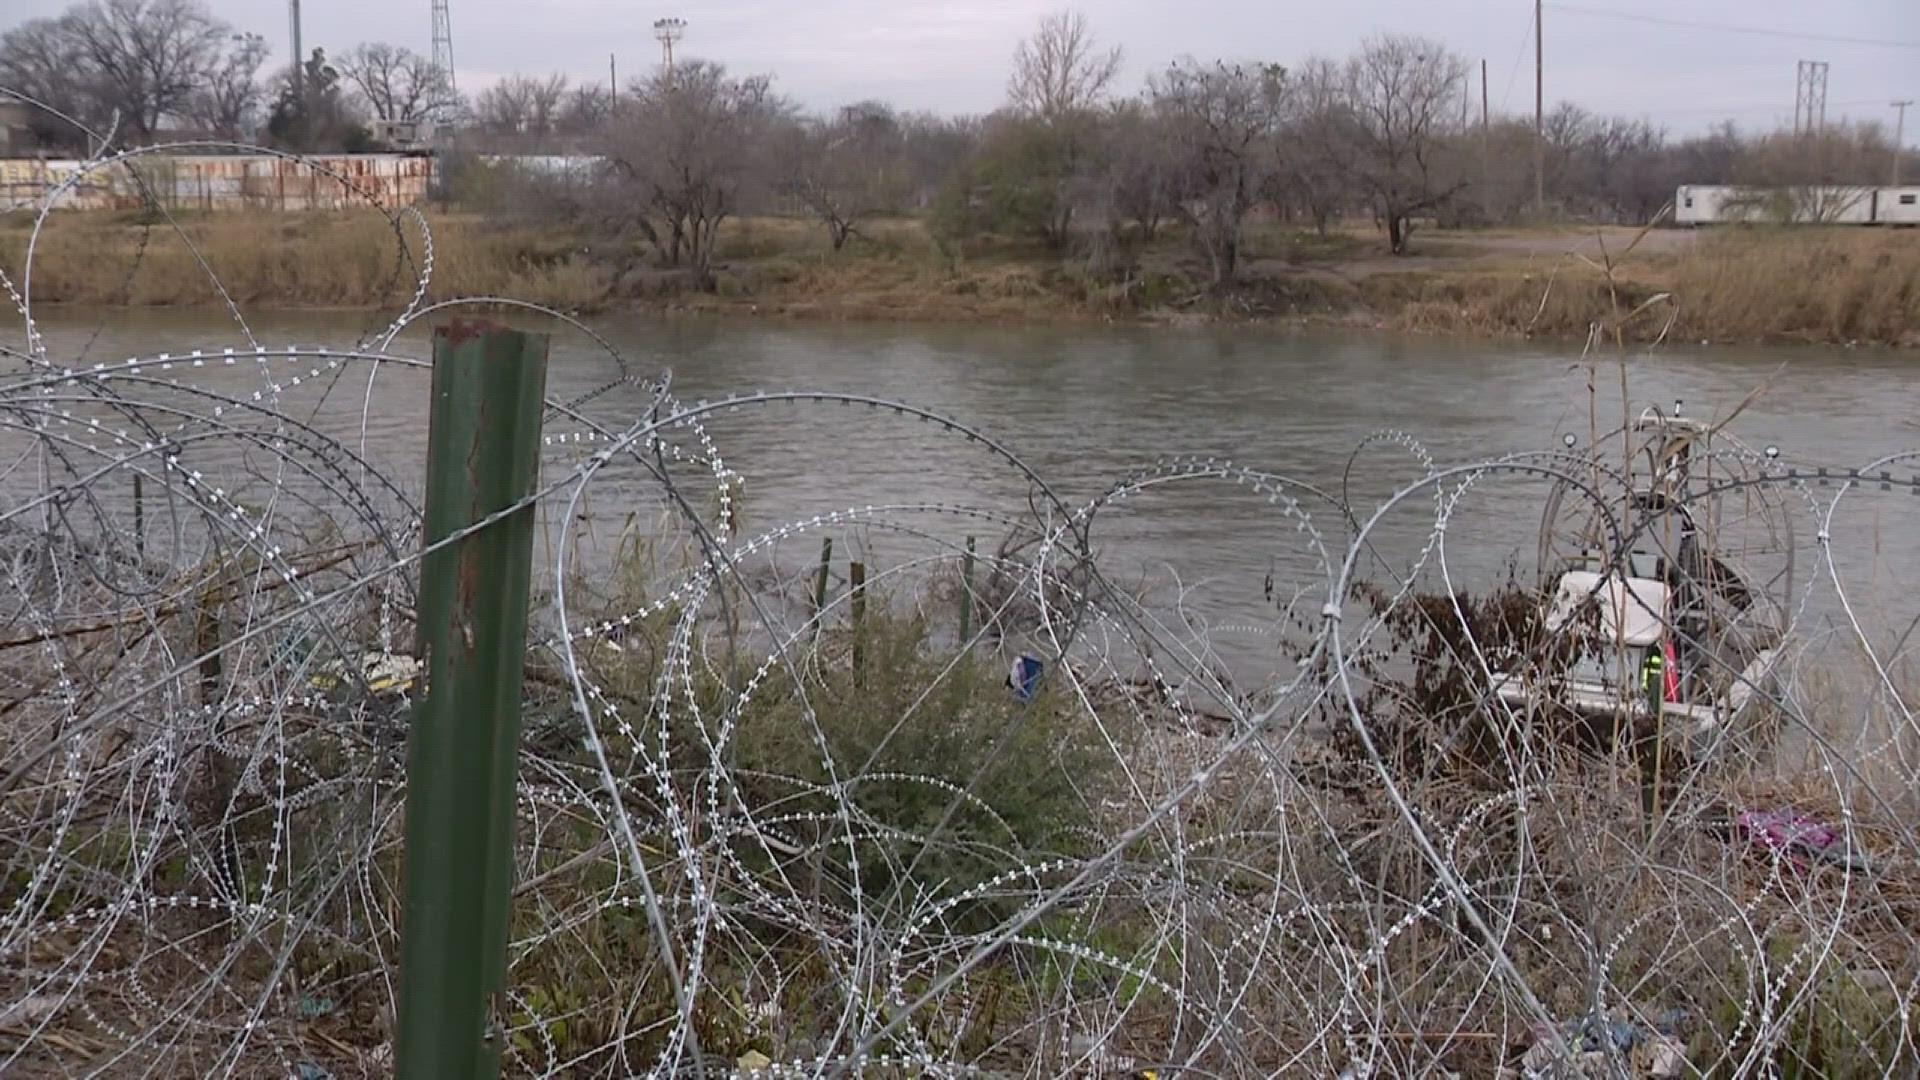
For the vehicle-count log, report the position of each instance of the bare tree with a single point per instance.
(228, 106)
(1712, 158)
(521, 109)
(1813, 177)
(1219, 121)
(1309, 177)
(1605, 167)
(586, 110)
(1400, 93)
(1141, 185)
(850, 169)
(1060, 77)
(42, 60)
(393, 81)
(1568, 133)
(1061, 69)
(936, 147)
(148, 57)
(692, 149)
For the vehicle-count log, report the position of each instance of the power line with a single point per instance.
(1519, 54)
(1725, 28)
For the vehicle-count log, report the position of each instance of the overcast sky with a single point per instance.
(952, 55)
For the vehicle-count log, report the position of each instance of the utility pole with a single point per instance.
(1899, 136)
(1539, 115)
(1483, 122)
(1483, 97)
(668, 30)
(613, 86)
(299, 59)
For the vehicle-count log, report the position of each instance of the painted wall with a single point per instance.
(223, 182)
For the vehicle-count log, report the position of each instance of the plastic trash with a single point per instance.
(1024, 677)
(1800, 839)
(1597, 1046)
(1666, 1057)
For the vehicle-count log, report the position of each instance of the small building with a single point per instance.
(400, 134)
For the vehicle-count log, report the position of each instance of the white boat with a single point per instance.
(1633, 659)
(1669, 625)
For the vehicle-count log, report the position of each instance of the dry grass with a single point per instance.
(1751, 284)
(1823, 285)
(319, 259)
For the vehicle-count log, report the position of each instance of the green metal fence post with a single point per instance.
(820, 584)
(483, 451)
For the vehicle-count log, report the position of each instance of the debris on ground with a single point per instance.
(1798, 838)
(1598, 1046)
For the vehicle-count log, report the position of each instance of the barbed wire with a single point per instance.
(770, 821)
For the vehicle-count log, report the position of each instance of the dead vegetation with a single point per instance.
(1835, 285)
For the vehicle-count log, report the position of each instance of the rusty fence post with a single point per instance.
(483, 451)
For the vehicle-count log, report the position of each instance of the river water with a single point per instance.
(1082, 406)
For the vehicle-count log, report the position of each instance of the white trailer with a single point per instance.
(1805, 204)
(1718, 204)
(1834, 205)
(1699, 204)
(1898, 205)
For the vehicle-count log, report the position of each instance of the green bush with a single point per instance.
(1015, 186)
(950, 779)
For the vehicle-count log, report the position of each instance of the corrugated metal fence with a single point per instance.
(223, 182)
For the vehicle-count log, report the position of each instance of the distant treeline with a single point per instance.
(1391, 134)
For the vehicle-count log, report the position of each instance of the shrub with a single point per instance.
(949, 777)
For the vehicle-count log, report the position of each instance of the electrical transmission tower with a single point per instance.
(1810, 97)
(443, 61)
(669, 31)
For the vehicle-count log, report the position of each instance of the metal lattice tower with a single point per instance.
(1810, 97)
(443, 60)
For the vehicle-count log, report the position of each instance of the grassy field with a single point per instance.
(1838, 285)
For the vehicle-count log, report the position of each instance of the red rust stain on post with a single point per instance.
(469, 573)
(461, 331)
